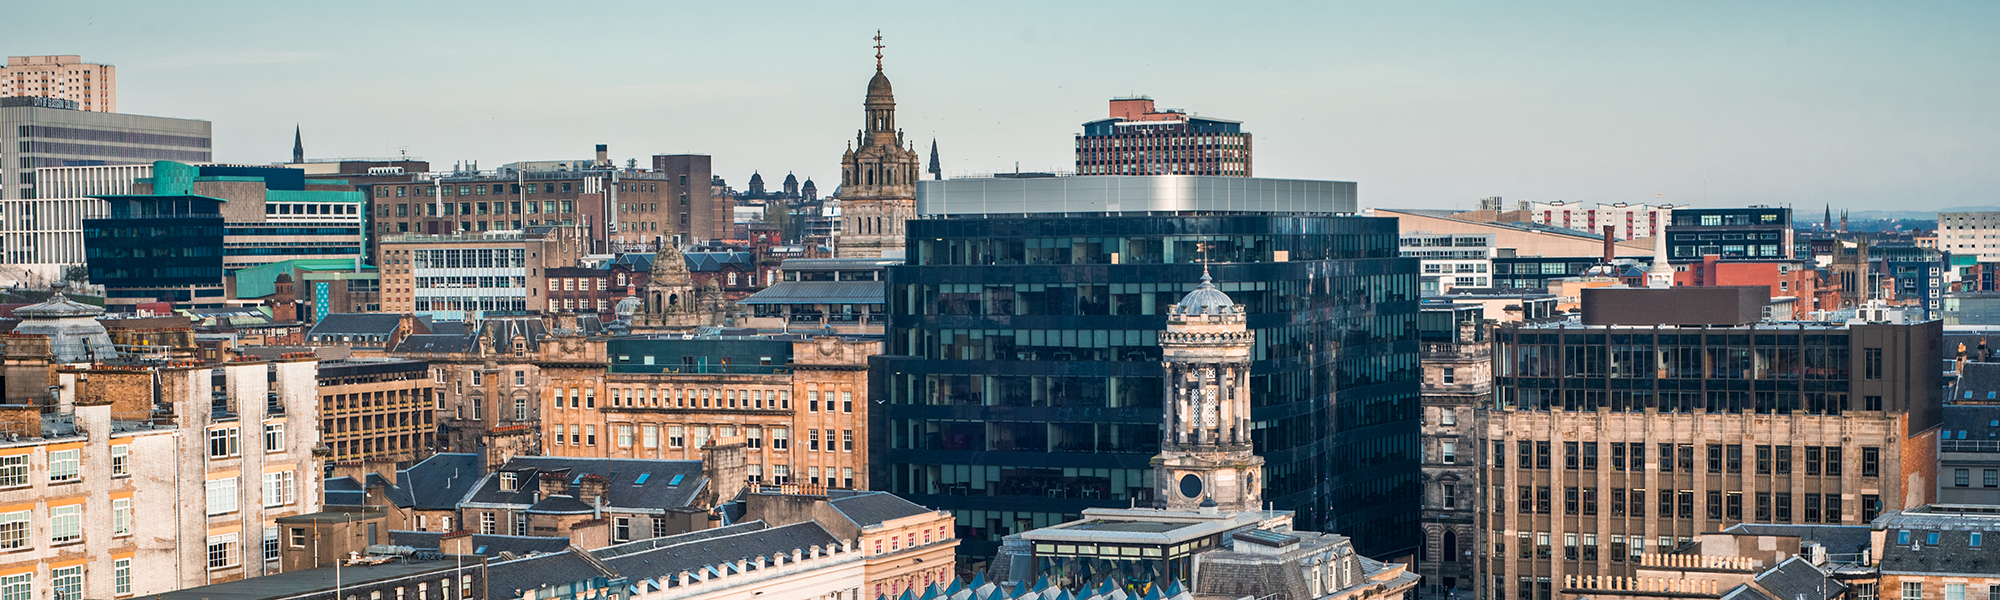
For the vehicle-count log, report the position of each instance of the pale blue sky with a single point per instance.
(1867, 105)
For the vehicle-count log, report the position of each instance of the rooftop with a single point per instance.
(302, 583)
(1098, 194)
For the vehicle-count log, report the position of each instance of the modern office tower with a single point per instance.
(1669, 412)
(1023, 377)
(52, 132)
(42, 238)
(1210, 532)
(175, 236)
(93, 87)
(1754, 233)
(1458, 380)
(878, 177)
(1629, 221)
(1140, 140)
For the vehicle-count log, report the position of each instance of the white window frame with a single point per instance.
(223, 551)
(121, 460)
(66, 523)
(65, 465)
(222, 496)
(274, 437)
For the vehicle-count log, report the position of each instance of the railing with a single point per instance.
(1641, 585)
(1990, 446)
(1698, 561)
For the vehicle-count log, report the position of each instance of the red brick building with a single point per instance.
(1792, 278)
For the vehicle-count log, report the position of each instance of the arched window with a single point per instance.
(673, 300)
(1450, 546)
(871, 177)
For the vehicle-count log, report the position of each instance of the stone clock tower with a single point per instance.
(878, 177)
(1205, 451)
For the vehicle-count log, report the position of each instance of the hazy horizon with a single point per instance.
(1864, 106)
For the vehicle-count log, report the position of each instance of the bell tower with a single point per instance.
(1206, 458)
(878, 177)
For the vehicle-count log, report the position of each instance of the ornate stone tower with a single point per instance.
(878, 177)
(671, 301)
(1205, 453)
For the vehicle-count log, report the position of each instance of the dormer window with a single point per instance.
(508, 482)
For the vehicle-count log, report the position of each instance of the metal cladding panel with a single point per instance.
(1690, 306)
(1127, 193)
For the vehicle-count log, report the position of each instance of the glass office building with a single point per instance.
(1022, 376)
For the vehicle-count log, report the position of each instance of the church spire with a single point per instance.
(298, 145)
(937, 169)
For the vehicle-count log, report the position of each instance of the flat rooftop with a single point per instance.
(1101, 194)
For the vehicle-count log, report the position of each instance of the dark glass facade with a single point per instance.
(146, 243)
(1022, 382)
(1755, 233)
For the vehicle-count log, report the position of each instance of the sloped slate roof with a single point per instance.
(869, 508)
(714, 261)
(381, 324)
(1795, 578)
(441, 481)
(668, 560)
(622, 491)
(510, 579)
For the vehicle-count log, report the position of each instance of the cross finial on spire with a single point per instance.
(878, 50)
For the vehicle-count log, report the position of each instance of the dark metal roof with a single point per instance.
(698, 262)
(344, 490)
(1971, 422)
(303, 583)
(821, 292)
(1952, 552)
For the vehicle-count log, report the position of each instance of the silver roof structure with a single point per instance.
(1098, 194)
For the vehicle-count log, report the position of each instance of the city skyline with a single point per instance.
(1709, 105)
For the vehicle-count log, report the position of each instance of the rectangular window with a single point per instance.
(121, 516)
(68, 582)
(1871, 462)
(1590, 456)
(280, 488)
(1783, 500)
(1570, 454)
(1954, 591)
(14, 529)
(121, 457)
(624, 436)
(812, 440)
(649, 436)
(1913, 590)
(222, 551)
(1874, 366)
(223, 443)
(121, 577)
(17, 587)
(1783, 463)
(847, 442)
(1763, 459)
(486, 523)
(674, 436)
(274, 437)
(63, 466)
(1832, 461)
(778, 438)
(1715, 458)
(65, 523)
(221, 496)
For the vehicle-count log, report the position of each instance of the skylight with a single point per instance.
(676, 480)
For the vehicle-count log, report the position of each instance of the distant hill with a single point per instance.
(1911, 214)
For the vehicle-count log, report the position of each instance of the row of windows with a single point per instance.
(1721, 457)
(1770, 506)
(64, 466)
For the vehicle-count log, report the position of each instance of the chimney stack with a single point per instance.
(1610, 243)
(603, 155)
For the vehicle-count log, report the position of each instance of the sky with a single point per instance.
(1433, 104)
